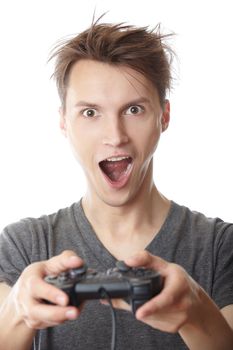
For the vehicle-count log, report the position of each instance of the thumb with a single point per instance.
(62, 262)
(147, 260)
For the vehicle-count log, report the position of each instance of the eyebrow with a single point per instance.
(130, 103)
(86, 104)
(137, 101)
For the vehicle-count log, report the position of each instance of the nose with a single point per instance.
(115, 133)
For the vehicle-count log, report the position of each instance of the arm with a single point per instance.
(21, 310)
(212, 329)
(184, 307)
(14, 333)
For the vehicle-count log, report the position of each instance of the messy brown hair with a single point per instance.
(139, 48)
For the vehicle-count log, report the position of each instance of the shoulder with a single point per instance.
(198, 222)
(190, 233)
(32, 239)
(35, 235)
(203, 246)
(196, 232)
(42, 223)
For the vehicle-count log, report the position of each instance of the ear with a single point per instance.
(165, 116)
(63, 125)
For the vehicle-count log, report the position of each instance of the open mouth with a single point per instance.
(116, 168)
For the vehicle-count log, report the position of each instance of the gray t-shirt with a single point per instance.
(203, 246)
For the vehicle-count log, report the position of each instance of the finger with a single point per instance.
(147, 260)
(155, 305)
(173, 291)
(49, 314)
(41, 290)
(66, 260)
(117, 304)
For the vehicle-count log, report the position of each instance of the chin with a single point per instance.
(117, 200)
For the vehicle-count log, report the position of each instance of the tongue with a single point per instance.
(115, 170)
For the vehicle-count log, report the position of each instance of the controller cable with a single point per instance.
(105, 295)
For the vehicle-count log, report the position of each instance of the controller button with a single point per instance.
(122, 267)
(91, 273)
(140, 271)
(51, 278)
(63, 277)
(148, 273)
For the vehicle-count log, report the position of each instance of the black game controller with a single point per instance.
(135, 285)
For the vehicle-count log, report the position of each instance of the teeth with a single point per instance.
(115, 159)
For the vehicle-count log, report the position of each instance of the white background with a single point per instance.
(193, 164)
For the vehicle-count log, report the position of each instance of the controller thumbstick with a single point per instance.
(122, 267)
(78, 271)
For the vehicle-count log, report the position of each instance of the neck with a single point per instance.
(144, 212)
(128, 229)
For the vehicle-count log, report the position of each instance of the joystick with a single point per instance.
(135, 285)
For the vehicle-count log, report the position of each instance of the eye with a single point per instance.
(89, 113)
(134, 110)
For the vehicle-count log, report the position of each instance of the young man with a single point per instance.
(112, 81)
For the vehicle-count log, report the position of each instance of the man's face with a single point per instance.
(113, 120)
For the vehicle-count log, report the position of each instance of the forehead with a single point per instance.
(92, 78)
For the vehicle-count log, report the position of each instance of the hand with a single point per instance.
(176, 304)
(31, 289)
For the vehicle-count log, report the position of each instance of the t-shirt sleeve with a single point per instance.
(223, 274)
(15, 251)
